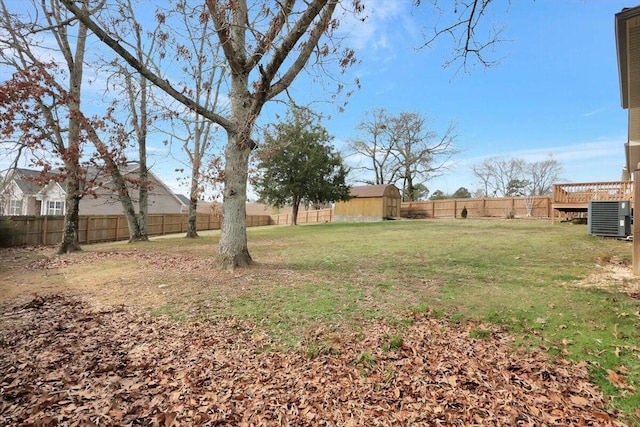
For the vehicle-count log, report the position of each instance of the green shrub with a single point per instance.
(464, 212)
(7, 232)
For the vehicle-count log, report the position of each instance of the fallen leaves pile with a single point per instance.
(63, 361)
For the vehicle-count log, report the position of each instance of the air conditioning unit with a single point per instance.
(609, 218)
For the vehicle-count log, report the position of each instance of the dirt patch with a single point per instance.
(613, 274)
(151, 278)
(141, 279)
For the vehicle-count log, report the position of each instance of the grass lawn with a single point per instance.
(549, 285)
(532, 278)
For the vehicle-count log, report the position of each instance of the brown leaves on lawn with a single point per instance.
(174, 262)
(63, 361)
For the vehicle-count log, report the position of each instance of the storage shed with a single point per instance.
(370, 203)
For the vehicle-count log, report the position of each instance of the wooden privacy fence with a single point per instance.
(504, 207)
(304, 217)
(47, 230)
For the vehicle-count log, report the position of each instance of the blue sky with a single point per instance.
(555, 91)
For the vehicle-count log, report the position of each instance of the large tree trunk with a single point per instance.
(192, 230)
(410, 188)
(143, 192)
(232, 249)
(143, 205)
(70, 236)
(127, 206)
(294, 214)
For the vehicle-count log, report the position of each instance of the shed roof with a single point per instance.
(370, 190)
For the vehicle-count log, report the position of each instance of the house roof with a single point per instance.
(622, 20)
(27, 187)
(369, 190)
(183, 199)
(27, 172)
(25, 179)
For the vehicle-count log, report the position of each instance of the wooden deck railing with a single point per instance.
(582, 193)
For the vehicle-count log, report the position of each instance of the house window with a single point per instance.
(54, 207)
(15, 207)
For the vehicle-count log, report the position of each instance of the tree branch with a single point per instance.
(326, 7)
(463, 32)
(164, 85)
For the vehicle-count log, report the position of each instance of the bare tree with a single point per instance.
(420, 153)
(484, 172)
(401, 150)
(35, 77)
(542, 174)
(265, 47)
(500, 176)
(375, 146)
(517, 177)
(59, 100)
(136, 94)
(206, 73)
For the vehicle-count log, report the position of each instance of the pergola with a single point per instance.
(628, 47)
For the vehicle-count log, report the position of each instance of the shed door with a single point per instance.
(392, 207)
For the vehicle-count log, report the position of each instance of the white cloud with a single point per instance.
(374, 32)
(572, 152)
(595, 112)
(589, 161)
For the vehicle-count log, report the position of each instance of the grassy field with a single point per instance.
(551, 286)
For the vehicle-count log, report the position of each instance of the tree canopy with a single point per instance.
(298, 165)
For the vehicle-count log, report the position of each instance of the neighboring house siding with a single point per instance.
(33, 206)
(16, 202)
(52, 198)
(161, 200)
(22, 194)
(13, 200)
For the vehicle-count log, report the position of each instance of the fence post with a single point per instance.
(162, 225)
(117, 227)
(455, 208)
(44, 231)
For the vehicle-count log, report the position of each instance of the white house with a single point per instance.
(23, 193)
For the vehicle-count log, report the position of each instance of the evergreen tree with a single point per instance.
(298, 165)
